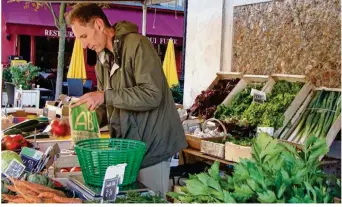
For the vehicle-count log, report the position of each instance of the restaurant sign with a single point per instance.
(162, 40)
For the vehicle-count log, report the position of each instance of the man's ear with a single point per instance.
(99, 24)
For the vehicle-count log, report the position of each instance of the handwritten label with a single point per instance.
(113, 178)
(258, 96)
(14, 169)
(111, 189)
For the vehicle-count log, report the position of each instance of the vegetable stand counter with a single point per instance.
(188, 156)
(63, 143)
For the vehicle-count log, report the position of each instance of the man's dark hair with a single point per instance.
(85, 13)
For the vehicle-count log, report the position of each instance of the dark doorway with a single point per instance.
(25, 46)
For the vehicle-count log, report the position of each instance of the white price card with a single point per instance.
(258, 96)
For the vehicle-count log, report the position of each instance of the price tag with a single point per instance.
(111, 189)
(113, 178)
(14, 169)
(258, 96)
(30, 158)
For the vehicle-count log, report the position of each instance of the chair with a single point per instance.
(88, 85)
(10, 90)
(75, 87)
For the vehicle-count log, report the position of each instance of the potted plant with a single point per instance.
(24, 75)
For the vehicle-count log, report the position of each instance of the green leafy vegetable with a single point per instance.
(277, 173)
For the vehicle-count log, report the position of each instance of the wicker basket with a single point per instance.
(213, 148)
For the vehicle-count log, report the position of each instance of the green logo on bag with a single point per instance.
(84, 120)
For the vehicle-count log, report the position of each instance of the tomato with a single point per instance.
(11, 145)
(63, 170)
(5, 138)
(75, 169)
(60, 128)
(19, 138)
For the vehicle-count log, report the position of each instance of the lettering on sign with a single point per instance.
(85, 119)
(55, 33)
(110, 189)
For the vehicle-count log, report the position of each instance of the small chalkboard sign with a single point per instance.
(110, 189)
(14, 169)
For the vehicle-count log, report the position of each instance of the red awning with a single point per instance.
(27, 21)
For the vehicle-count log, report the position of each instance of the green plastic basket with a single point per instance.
(95, 155)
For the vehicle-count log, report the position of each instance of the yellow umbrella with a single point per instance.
(169, 65)
(77, 66)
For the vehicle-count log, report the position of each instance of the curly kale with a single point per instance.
(271, 113)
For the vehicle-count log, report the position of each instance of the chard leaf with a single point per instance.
(253, 185)
(214, 184)
(203, 177)
(214, 171)
(296, 199)
(240, 172)
(267, 197)
(310, 189)
(227, 197)
(195, 187)
(243, 192)
(217, 194)
(281, 190)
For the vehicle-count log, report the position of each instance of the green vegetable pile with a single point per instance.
(277, 173)
(322, 112)
(231, 116)
(272, 111)
(134, 197)
(239, 104)
(40, 179)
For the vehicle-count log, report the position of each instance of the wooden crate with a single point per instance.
(212, 148)
(334, 129)
(297, 101)
(235, 152)
(63, 161)
(195, 142)
(221, 76)
(246, 80)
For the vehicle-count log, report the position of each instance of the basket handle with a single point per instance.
(218, 121)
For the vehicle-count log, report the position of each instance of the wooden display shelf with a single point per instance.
(198, 154)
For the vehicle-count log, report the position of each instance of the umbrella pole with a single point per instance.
(144, 19)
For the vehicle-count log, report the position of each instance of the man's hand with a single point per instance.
(92, 99)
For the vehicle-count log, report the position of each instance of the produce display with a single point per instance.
(322, 112)
(60, 128)
(277, 173)
(208, 133)
(135, 197)
(28, 192)
(26, 127)
(231, 116)
(239, 104)
(40, 179)
(13, 142)
(206, 103)
(6, 157)
(271, 112)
